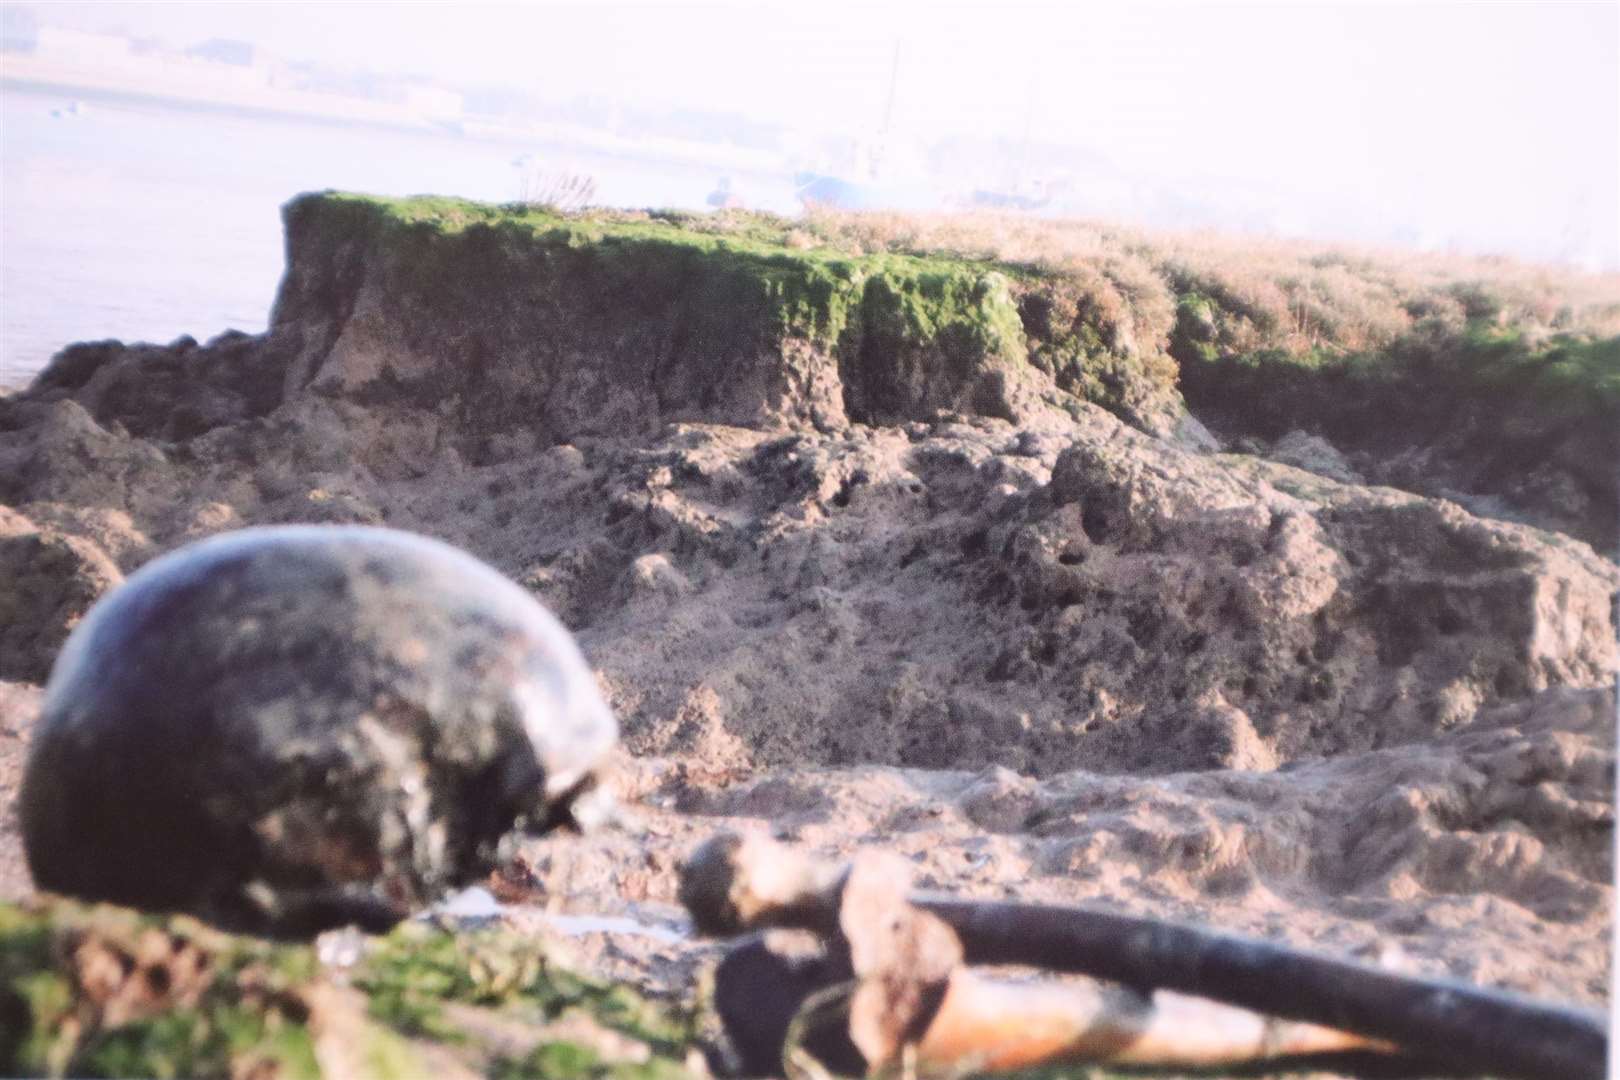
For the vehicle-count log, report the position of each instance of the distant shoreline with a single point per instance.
(168, 101)
(32, 75)
(166, 88)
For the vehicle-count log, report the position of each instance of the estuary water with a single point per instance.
(130, 220)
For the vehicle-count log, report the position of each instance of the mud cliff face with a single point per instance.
(815, 510)
(514, 324)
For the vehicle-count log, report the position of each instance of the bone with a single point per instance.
(779, 994)
(993, 1025)
(735, 885)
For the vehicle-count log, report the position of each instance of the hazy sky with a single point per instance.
(1496, 122)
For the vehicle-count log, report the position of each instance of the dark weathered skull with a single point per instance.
(287, 729)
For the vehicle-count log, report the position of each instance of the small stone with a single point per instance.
(1314, 454)
(655, 575)
(48, 580)
(998, 799)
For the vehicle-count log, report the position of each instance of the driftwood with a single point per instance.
(732, 885)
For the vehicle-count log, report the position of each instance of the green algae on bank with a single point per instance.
(104, 991)
(739, 318)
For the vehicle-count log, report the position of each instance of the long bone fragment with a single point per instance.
(887, 990)
(733, 885)
(776, 993)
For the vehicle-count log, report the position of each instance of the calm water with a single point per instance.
(144, 223)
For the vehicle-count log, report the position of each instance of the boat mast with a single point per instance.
(882, 148)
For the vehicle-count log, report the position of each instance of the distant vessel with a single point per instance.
(1029, 198)
(889, 185)
(818, 190)
(71, 109)
(724, 197)
(881, 189)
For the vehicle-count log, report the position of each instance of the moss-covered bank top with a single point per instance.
(614, 321)
(760, 319)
